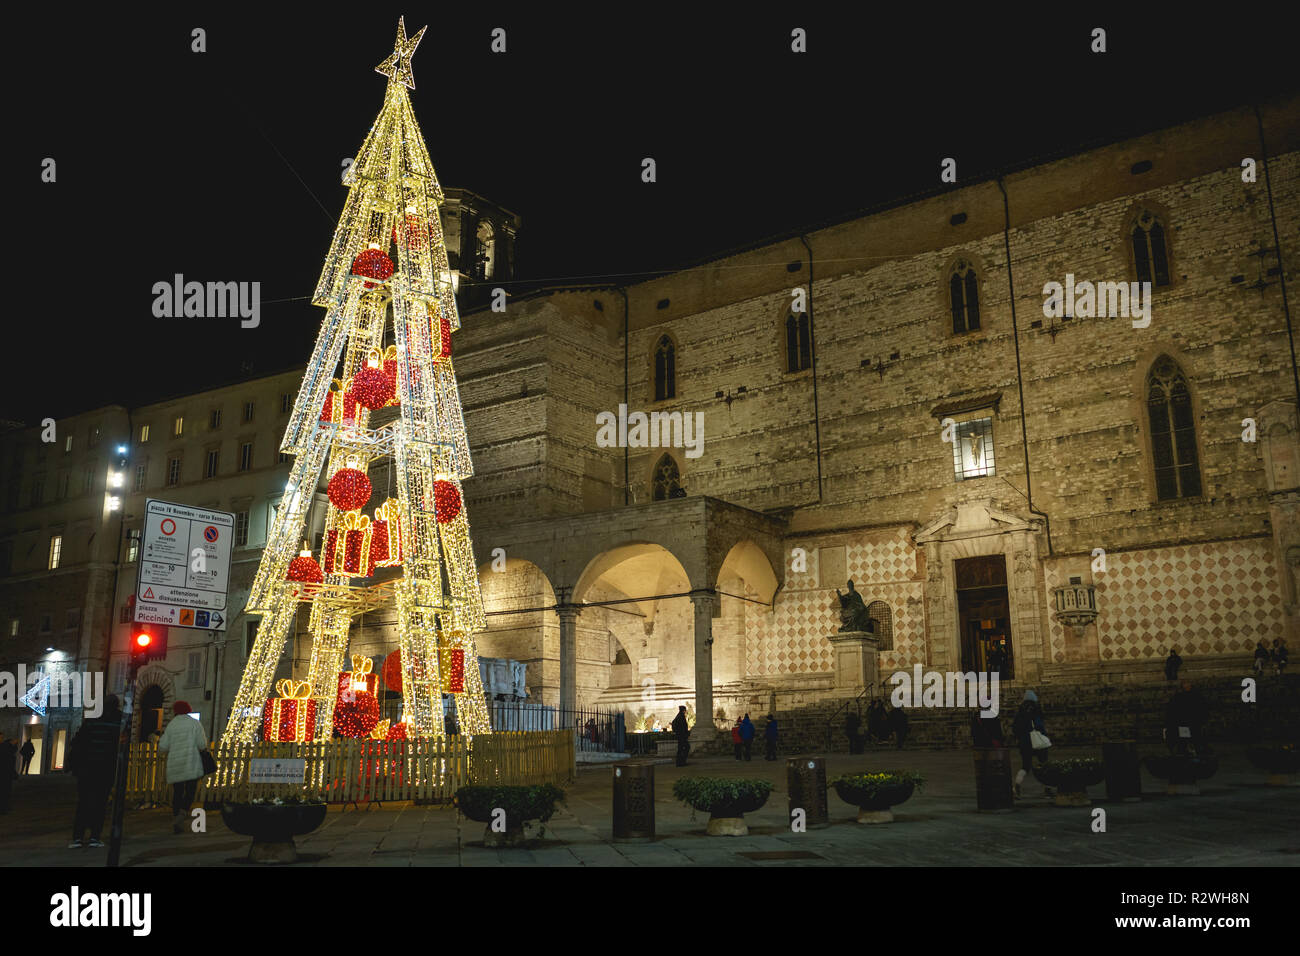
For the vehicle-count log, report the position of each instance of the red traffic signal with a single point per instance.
(148, 643)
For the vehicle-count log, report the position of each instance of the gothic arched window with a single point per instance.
(1150, 256)
(667, 480)
(665, 369)
(1173, 432)
(879, 612)
(798, 342)
(964, 294)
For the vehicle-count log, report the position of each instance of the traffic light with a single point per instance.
(148, 643)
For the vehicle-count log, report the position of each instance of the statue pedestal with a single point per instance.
(856, 660)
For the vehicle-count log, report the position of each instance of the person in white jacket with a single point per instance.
(181, 742)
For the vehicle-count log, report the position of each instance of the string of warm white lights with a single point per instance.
(392, 207)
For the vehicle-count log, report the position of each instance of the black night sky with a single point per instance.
(224, 166)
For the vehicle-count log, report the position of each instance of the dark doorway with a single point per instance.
(151, 702)
(984, 615)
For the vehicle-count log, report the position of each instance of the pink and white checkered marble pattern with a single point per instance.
(1214, 598)
(792, 640)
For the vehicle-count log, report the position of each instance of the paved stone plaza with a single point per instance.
(1235, 821)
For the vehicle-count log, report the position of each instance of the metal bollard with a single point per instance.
(634, 802)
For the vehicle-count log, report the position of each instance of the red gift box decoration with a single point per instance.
(386, 536)
(292, 715)
(451, 668)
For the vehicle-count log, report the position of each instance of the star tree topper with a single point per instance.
(398, 65)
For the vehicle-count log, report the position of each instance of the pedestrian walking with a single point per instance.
(8, 771)
(28, 752)
(770, 735)
(1030, 731)
(747, 736)
(737, 743)
(683, 733)
(1172, 663)
(182, 741)
(1261, 657)
(898, 725)
(93, 761)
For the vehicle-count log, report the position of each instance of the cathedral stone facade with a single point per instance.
(1065, 493)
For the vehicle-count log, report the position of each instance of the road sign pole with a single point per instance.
(119, 779)
(124, 737)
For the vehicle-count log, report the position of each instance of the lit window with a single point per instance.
(56, 550)
(132, 545)
(972, 449)
(13, 627)
(67, 444)
(178, 427)
(144, 434)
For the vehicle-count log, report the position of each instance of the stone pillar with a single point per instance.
(568, 614)
(856, 656)
(706, 603)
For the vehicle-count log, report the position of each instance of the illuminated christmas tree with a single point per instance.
(391, 310)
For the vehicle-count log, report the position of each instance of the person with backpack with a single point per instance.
(183, 742)
(93, 761)
(747, 736)
(1031, 735)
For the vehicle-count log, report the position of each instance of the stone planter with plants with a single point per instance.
(513, 816)
(876, 792)
(725, 801)
(1071, 779)
(1183, 771)
(1280, 761)
(273, 823)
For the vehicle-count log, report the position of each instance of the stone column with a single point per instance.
(706, 603)
(568, 614)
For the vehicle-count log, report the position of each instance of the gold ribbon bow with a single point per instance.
(293, 690)
(354, 521)
(361, 666)
(381, 730)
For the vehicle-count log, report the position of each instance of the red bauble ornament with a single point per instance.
(373, 264)
(349, 489)
(372, 387)
(397, 732)
(356, 712)
(304, 568)
(393, 672)
(446, 501)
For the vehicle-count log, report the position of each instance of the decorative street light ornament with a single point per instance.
(1076, 604)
